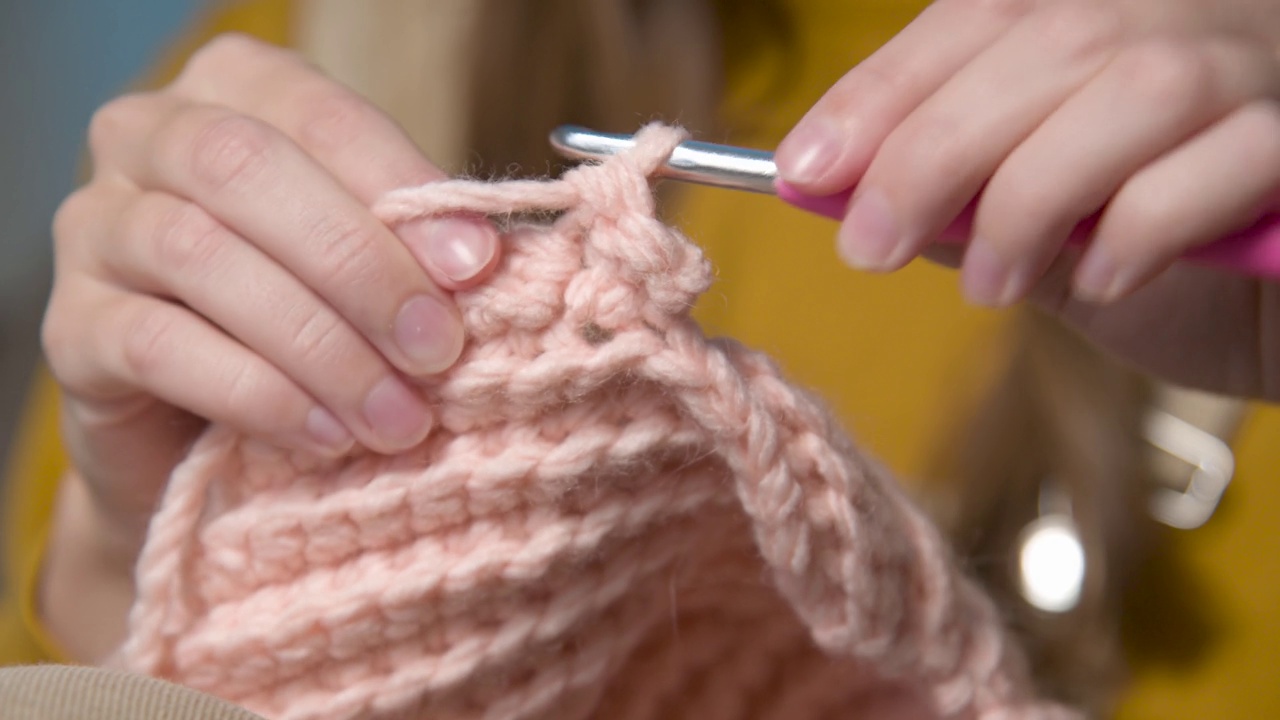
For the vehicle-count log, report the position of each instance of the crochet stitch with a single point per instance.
(614, 517)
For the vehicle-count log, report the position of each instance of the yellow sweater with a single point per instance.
(896, 355)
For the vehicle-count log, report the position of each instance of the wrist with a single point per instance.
(86, 584)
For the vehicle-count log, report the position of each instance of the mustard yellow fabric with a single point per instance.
(31, 482)
(900, 357)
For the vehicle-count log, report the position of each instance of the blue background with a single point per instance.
(58, 61)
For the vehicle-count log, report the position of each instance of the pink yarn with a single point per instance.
(615, 517)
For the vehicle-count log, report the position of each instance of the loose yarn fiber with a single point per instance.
(614, 517)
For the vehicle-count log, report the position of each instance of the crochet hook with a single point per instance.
(1254, 251)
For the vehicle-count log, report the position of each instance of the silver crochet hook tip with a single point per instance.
(693, 161)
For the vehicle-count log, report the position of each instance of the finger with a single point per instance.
(830, 148)
(1183, 309)
(166, 246)
(357, 143)
(141, 343)
(947, 255)
(1218, 182)
(1052, 290)
(939, 157)
(257, 182)
(1150, 98)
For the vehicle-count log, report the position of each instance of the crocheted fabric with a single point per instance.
(614, 517)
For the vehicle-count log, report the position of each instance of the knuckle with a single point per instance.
(1140, 211)
(183, 237)
(932, 147)
(320, 338)
(229, 60)
(1003, 9)
(1021, 195)
(216, 54)
(1169, 73)
(1078, 31)
(875, 78)
(147, 342)
(226, 150)
(66, 332)
(106, 122)
(228, 45)
(351, 251)
(252, 400)
(72, 215)
(330, 118)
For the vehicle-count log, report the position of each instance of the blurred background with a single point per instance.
(58, 61)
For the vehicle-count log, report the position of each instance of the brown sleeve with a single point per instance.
(64, 692)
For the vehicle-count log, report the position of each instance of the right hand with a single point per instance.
(222, 265)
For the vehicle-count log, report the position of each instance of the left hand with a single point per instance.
(1163, 112)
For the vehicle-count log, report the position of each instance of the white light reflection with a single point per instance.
(1051, 563)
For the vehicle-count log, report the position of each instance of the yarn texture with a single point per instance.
(613, 517)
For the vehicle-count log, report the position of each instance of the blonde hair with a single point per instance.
(479, 83)
(1063, 418)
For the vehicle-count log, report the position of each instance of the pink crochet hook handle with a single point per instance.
(1254, 251)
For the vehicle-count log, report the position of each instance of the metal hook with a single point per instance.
(704, 163)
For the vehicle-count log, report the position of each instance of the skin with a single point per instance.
(222, 264)
(1163, 114)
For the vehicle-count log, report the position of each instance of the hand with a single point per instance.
(223, 265)
(1163, 114)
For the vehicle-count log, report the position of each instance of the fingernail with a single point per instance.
(396, 414)
(326, 430)
(458, 248)
(806, 153)
(429, 334)
(1097, 279)
(869, 235)
(987, 277)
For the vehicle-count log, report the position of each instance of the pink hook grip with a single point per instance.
(1253, 251)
